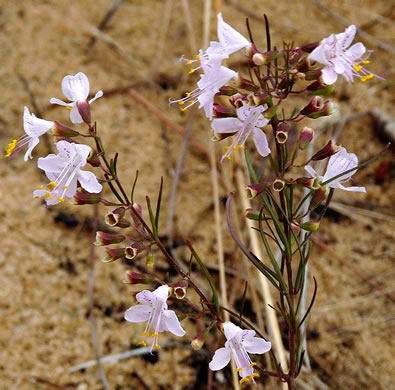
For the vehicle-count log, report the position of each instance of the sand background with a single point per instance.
(44, 261)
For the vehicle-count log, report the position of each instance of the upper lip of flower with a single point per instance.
(75, 88)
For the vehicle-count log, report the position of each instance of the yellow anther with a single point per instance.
(246, 379)
(51, 183)
(69, 108)
(65, 187)
(254, 375)
(157, 346)
(357, 67)
(228, 157)
(10, 148)
(38, 197)
(252, 364)
(191, 71)
(369, 76)
(226, 148)
(364, 78)
(143, 343)
(238, 370)
(197, 57)
(145, 334)
(181, 102)
(59, 199)
(187, 94)
(48, 195)
(182, 109)
(189, 62)
(39, 187)
(366, 62)
(234, 148)
(241, 147)
(155, 335)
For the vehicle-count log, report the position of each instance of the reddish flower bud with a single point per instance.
(240, 82)
(59, 130)
(133, 250)
(310, 182)
(81, 198)
(227, 91)
(93, 159)
(317, 108)
(305, 137)
(220, 111)
(254, 190)
(113, 254)
(318, 197)
(136, 278)
(264, 58)
(328, 150)
(85, 110)
(309, 47)
(103, 238)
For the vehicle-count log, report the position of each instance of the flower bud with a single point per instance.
(220, 111)
(328, 150)
(81, 198)
(282, 133)
(309, 182)
(311, 75)
(254, 190)
(113, 254)
(238, 100)
(133, 250)
(103, 238)
(85, 110)
(254, 214)
(136, 278)
(113, 217)
(306, 66)
(259, 100)
(309, 47)
(59, 130)
(278, 185)
(316, 104)
(180, 289)
(310, 226)
(305, 137)
(93, 159)
(227, 91)
(318, 197)
(319, 87)
(240, 82)
(150, 260)
(264, 58)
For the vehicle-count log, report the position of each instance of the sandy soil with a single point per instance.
(45, 253)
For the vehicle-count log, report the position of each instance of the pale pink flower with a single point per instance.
(75, 88)
(334, 52)
(214, 77)
(239, 343)
(230, 41)
(64, 172)
(34, 128)
(338, 163)
(249, 121)
(153, 310)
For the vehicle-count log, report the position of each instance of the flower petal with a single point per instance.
(83, 151)
(230, 330)
(220, 359)
(75, 87)
(261, 142)
(229, 37)
(329, 76)
(146, 297)
(351, 189)
(138, 313)
(60, 102)
(75, 116)
(171, 323)
(355, 51)
(89, 182)
(33, 142)
(257, 345)
(344, 39)
(162, 292)
(51, 163)
(311, 171)
(226, 125)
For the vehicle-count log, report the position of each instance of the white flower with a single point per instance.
(214, 77)
(64, 171)
(75, 88)
(338, 163)
(333, 53)
(153, 309)
(34, 128)
(230, 41)
(239, 343)
(250, 120)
